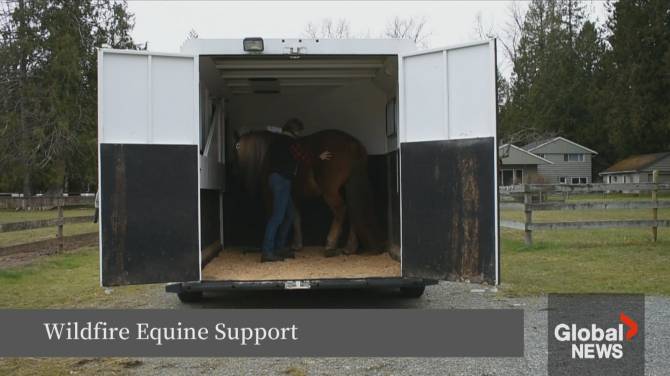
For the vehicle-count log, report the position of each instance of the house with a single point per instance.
(638, 169)
(570, 161)
(518, 166)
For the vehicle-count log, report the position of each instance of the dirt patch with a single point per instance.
(309, 263)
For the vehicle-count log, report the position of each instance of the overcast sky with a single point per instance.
(165, 24)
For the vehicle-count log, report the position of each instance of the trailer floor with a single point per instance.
(234, 265)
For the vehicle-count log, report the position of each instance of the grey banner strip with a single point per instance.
(264, 332)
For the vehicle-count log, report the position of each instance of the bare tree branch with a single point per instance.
(328, 28)
(411, 28)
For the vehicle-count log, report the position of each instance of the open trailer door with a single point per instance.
(448, 154)
(148, 167)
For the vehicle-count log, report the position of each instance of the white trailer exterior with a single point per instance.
(156, 158)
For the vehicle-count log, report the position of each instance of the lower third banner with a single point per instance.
(262, 332)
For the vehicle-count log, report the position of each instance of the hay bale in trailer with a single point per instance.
(175, 204)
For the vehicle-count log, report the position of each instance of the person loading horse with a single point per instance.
(284, 156)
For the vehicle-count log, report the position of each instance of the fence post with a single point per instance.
(59, 235)
(654, 198)
(528, 221)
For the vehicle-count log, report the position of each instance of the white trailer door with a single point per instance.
(448, 159)
(148, 167)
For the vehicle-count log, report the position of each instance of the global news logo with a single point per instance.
(594, 342)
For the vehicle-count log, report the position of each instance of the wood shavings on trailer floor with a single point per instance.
(232, 264)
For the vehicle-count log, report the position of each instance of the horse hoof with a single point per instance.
(394, 256)
(394, 252)
(332, 252)
(348, 251)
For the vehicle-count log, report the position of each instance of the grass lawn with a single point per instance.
(69, 280)
(589, 260)
(586, 261)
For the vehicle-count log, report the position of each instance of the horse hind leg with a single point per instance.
(297, 231)
(336, 204)
(352, 241)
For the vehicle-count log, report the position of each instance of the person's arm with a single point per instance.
(302, 155)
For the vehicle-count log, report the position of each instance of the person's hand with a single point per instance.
(326, 155)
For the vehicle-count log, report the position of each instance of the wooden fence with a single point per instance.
(529, 191)
(59, 221)
(44, 202)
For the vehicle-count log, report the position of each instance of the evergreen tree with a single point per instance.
(49, 69)
(553, 74)
(638, 77)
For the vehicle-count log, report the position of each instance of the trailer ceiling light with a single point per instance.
(253, 44)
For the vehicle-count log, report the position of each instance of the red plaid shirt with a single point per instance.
(301, 154)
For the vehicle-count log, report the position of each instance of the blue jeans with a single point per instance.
(276, 230)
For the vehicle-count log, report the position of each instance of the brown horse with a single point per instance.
(346, 171)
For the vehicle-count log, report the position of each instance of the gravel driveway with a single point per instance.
(444, 295)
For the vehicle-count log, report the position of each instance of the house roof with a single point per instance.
(538, 144)
(535, 144)
(635, 163)
(536, 158)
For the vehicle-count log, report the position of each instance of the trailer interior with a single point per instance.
(355, 94)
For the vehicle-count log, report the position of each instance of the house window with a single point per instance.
(573, 157)
(614, 179)
(511, 177)
(578, 180)
(562, 179)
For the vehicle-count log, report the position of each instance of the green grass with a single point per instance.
(8, 216)
(586, 261)
(69, 280)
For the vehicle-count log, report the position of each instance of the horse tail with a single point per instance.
(360, 206)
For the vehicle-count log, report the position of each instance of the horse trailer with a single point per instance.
(172, 209)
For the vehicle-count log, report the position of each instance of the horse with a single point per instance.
(346, 172)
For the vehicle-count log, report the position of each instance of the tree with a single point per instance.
(554, 70)
(637, 87)
(22, 55)
(411, 28)
(49, 69)
(328, 28)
